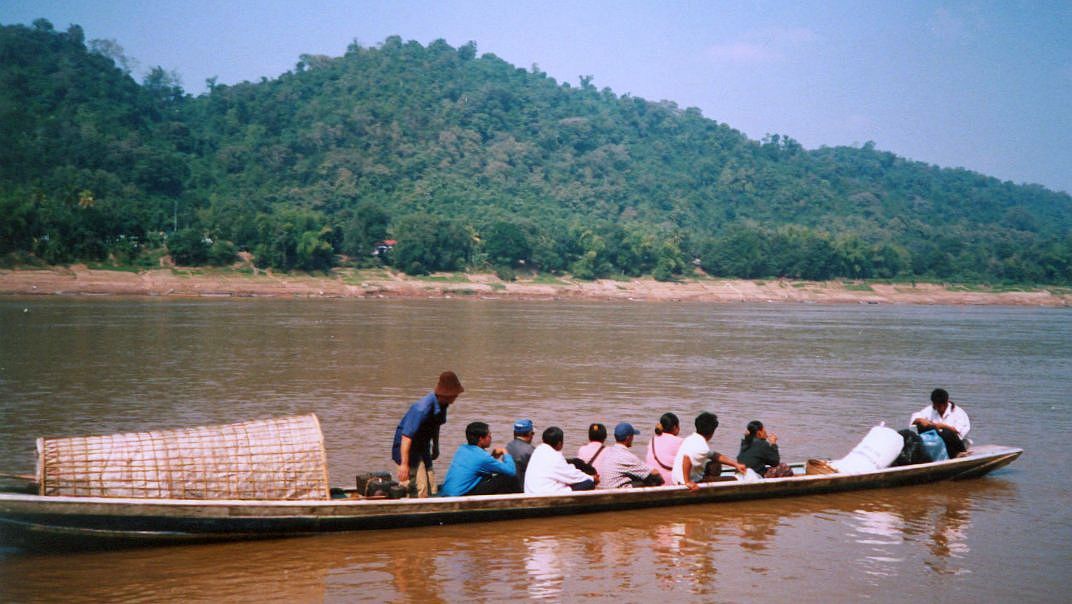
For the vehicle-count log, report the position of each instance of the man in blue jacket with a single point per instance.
(474, 471)
(416, 442)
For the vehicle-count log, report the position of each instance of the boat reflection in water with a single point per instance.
(939, 519)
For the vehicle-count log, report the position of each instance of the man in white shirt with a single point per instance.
(691, 459)
(945, 417)
(548, 471)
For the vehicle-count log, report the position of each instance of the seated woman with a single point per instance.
(759, 451)
(664, 445)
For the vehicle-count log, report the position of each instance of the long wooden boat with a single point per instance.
(43, 521)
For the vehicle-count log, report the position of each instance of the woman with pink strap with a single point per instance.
(664, 445)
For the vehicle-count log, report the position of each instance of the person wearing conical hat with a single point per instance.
(416, 441)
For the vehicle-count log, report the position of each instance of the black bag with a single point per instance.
(379, 484)
(779, 471)
(582, 465)
(913, 451)
(651, 480)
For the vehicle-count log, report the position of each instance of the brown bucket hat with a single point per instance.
(448, 384)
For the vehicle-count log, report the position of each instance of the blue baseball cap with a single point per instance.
(624, 430)
(523, 426)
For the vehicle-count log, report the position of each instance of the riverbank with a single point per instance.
(378, 283)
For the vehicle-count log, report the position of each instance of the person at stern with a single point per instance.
(945, 417)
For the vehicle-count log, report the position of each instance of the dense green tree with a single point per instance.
(427, 244)
(507, 244)
(366, 227)
(740, 252)
(221, 252)
(293, 238)
(188, 247)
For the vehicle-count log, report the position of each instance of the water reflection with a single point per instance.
(684, 555)
(413, 573)
(543, 563)
(757, 530)
(937, 517)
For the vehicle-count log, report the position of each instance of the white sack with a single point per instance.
(876, 451)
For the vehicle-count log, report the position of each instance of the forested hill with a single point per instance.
(468, 161)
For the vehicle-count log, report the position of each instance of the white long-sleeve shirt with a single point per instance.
(954, 416)
(548, 472)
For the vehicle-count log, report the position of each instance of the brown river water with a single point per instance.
(818, 376)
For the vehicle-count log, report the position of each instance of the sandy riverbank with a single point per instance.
(350, 283)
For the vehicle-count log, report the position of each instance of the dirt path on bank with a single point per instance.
(350, 283)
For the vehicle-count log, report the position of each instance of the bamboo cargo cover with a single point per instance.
(279, 458)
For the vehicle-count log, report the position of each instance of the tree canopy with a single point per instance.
(468, 161)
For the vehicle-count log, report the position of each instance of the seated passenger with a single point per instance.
(597, 438)
(759, 451)
(521, 449)
(663, 447)
(690, 463)
(945, 417)
(549, 472)
(618, 467)
(474, 471)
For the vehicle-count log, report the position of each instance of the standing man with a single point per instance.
(521, 448)
(945, 417)
(416, 442)
(691, 459)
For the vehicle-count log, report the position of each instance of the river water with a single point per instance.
(818, 376)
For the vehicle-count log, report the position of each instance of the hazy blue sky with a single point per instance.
(981, 85)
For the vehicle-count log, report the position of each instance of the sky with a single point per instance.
(980, 85)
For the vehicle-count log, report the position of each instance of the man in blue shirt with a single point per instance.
(416, 441)
(474, 471)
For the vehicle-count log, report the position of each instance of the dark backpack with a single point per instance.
(582, 465)
(913, 451)
(379, 484)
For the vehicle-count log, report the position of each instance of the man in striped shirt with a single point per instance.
(618, 467)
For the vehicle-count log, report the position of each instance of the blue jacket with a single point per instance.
(421, 424)
(469, 466)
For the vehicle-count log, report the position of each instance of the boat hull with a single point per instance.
(37, 522)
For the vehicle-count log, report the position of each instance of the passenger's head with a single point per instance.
(624, 433)
(754, 430)
(597, 432)
(939, 399)
(475, 432)
(706, 423)
(523, 429)
(668, 423)
(553, 436)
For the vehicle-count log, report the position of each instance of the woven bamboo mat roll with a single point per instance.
(278, 458)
